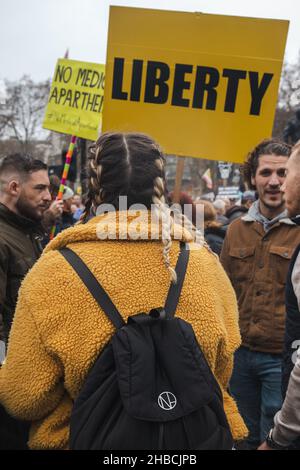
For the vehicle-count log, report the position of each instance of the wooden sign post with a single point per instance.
(178, 180)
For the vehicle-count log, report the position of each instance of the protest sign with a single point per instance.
(202, 85)
(76, 99)
(229, 192)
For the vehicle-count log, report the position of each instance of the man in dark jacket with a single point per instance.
(24, 196)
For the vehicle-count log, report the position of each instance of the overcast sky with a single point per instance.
(35, 33)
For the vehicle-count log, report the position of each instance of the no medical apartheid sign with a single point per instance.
(202, 85)
(75, 101)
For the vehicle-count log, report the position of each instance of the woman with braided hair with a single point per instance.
(131, 166)
(130, 242)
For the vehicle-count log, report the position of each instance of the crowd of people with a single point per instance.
(241, 292)
(214, 217)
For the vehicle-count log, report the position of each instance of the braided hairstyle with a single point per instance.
(129, 165)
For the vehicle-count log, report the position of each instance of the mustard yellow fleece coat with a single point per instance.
(58, 329)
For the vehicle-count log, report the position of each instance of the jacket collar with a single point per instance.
(119, 225)
(254, 215)
(19, 221)
(284, 220)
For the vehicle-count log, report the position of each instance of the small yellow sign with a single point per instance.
(202, 85)
(76, 99)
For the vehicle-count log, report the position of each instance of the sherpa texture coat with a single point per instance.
(59, 329)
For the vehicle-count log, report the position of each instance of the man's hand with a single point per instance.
(56, 208)
(264, 446)
(51, 215)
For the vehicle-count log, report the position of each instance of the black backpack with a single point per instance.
(151, 386)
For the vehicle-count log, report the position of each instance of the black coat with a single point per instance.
(292, 323)
(292, 332)
(214, 236)
(235, 212)
(20, 247)
(292, 326)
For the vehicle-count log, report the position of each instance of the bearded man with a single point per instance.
(24, 196)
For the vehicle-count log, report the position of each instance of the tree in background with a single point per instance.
(288, 96)
(22, 113)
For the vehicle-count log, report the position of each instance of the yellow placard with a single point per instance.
(76, 99)
(202, 85)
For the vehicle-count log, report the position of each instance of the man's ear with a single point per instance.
(14, 187)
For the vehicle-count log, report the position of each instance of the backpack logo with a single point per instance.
(167, 401)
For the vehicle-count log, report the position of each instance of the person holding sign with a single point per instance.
(132, 250)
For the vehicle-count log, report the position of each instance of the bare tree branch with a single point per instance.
(24, 110)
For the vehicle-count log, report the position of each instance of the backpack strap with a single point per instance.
(93, 286)
(175, 289)
(104, 300)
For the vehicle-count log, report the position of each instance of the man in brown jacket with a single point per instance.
(256, 255)
(286, 430)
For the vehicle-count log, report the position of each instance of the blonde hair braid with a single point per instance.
(166, 221)
(196, 234)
